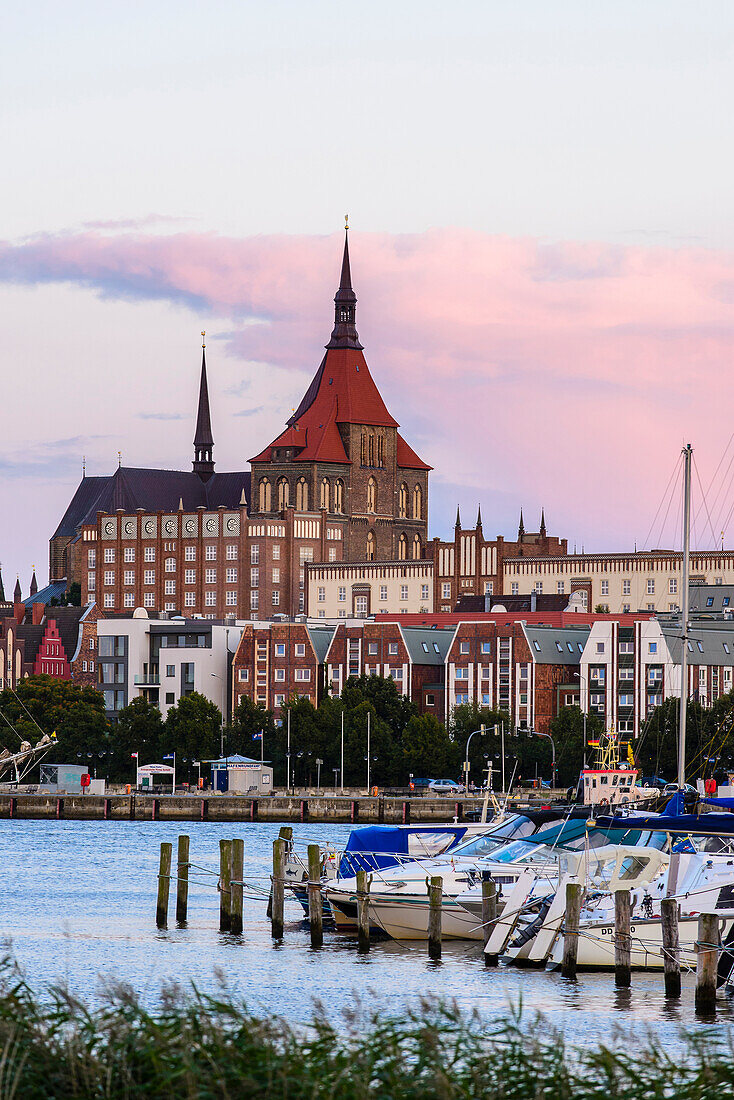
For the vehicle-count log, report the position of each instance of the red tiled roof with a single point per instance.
(408, 458)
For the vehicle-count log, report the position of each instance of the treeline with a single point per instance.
(402, 742)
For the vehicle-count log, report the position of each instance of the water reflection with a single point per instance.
(79, 906)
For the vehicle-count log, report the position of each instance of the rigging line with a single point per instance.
(726, 522)
(704, 502)
(9, 723)
(724, 482)
(662, 500)
(665, 518)
(723, 456)
(25, 708)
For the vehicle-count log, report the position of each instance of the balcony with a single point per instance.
(151, 679)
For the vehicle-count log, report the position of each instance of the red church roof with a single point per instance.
(342, 392)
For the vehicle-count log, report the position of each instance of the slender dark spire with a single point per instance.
(521, 529)
(345, 305)
(479, 515)
(203, 440)
(542, 523)
(34, 582)
(17, 595)
(458, 517)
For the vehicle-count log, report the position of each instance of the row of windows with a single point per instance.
(210, 554)
(149, 598)
(128, 577)
(255, 552)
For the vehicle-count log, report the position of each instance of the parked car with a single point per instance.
(671, 788)
(420, 786)
(652, 781)
(445, 786)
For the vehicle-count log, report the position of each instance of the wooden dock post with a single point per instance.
(622, 938)
(489, 914)
(363, 911)
(225, 888)
(707, 962)
(435, 897)
(182, 880)
(278, 890)
(164, 884)
(315, 907)
(671, 946)
(286, 834)
(574, 891)
(236, 886)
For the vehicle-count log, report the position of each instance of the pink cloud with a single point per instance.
(564, 372)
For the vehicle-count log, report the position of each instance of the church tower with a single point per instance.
(203, 439)
(342, 454)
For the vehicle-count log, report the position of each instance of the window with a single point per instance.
(266, 496)
(392, 648)
(430, 700)
(654, 675)
(559, 647)
(129, 553)
(305, 553)
(109, 555)
(255, 554)
(424, 591)
(403, 501)
(210, 552)
(600, 647)
(109, 576)
(539, 588)
(303, 674)
(446, 590)
(243, 674)
(402, 548)
(280, 701)
(403, 591)
(650, 607)
(129, 577)
(280, 674)
(190, 599)
(626, 647)
(210, 576)
(325, 494)
(170, 698)
(230, 598)
(486, 671)
(626, 674)
(718, 580)
(463, 647)
(396, 673)
(149, 553)
(299, 649)
(560, 588)
(726, 647)
(170, 565)
(91, 581)
(276, 576)
(338, 495)
(148, 598)
(190, 576)
(651, 586)
(210, 599)
(371, 495)
(370, 555)
(360, 605)
(189, 553)
(626, 700)
(321, 595)
(605, 588)
(284, 493)
(673, 586)
(109, 599)
(341, 594)
(536, 645)
(372, 649)
(597, 700)
(231, 551)
(276, 597)
(302, 495)
(170, 588)
(332, 553)
(383, 591)
(129, 599)
(514, 588)
(625, 608)
(626, 587)
(462, 673)
(488, 588)
(417, 503)
(461, 700)
(91, 559)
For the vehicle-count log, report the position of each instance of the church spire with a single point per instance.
(345, 305)
(203, 440)
(542, 523)
(458, 517)
(479, 515)
(521, 529)
(34, 583)
(17, 595)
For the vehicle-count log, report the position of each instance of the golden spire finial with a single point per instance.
(119, 459)
(84, 465)
(346, 221)
(202, 339)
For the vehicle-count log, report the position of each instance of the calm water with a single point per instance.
(78, 905)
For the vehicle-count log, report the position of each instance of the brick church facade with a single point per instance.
(339, 483)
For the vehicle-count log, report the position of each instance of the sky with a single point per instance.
(542, 246)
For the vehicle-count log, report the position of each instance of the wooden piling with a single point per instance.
(155, 810)
(225, 880)
(182, 880)
(406, 813)
(164, 884)
(278, 891)
(286, 834)
(435, 897)
(59, 807)
(315, 907)
(354, 812)
(13, 807)
(107, 805)
(671, 946)
(236, 886)
(622, 938)
(707, 963)
(254, 806)
(363, 911)
(574, 892)
(489, 916)
(204, 809)
(304, 809)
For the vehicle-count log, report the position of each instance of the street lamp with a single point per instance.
(553, 751)
(336, 772)
(466, 755)
(221, 739)
(319, 762)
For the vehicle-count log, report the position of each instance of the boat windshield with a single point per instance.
(497, 838)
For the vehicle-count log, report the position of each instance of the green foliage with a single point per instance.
(193, 729)
(427, 748)
(139, 728)
(567, 731)
(249, 719)
(709, 739)
(75, 714)
(214, 1047)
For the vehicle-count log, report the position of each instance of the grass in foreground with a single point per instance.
(205, 1047)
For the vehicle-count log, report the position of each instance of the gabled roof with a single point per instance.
(407, 457)
(131, 488)
(44, 595)
(321, 640)
(551, 645)
(426, 646)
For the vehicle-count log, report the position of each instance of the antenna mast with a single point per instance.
(687, 456)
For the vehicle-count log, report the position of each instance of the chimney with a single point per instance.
(533, 601)
(38, 610)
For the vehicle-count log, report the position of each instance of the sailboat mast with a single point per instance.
(687, 456)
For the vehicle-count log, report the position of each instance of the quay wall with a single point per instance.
(146, 807)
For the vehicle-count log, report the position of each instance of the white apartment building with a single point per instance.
(618, 583)
(345, 590)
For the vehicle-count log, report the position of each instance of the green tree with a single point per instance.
(657, 748)
(567, 731)
(427, 748)
(382, 693)
(193, 730)
(139, 728)
(248, 720)
(43, 704)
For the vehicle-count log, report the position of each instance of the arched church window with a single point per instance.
(403, 501)
(402, 548)
(284, 494)
(339, 495)
(416, 547)
(371, 546)
(302, 495)
(417, 502)
(265, 494)
(371, 495)
(325, 494)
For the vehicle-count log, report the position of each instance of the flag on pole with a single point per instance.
(170, 756)
(257, 736)
(133, 756)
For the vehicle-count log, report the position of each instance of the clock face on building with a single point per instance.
(128, 528)
(190, 527)
(150, 527)
(211, 525)
(233, 525)
(170, 527)
(109, 528)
